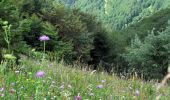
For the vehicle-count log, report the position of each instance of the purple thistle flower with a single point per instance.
(78, 97)
(103, 81)
(137, 93)
(100, 86)
(40, 74)
(2, 95)
(62, 87)
(44, 38)
(2, 89)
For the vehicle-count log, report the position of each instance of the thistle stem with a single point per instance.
(44, 47)
(44, 51)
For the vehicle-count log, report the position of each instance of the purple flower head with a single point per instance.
(78, 97)
(137, 92)
(62, 87)
(44, 38)
(2, 89)
(2, 95)
(40, 74)
(103, 81)
(100, 86)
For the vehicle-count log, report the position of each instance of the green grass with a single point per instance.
(63, 82)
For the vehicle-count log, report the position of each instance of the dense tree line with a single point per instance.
(142, 47)
(71, 32)
(119, 14)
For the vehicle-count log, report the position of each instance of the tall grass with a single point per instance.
(62, 82)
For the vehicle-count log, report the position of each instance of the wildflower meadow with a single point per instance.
(41, 79)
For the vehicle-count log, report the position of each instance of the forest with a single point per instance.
(118, 14)
(119, 37)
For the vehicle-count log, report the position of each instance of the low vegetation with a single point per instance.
(35, 79)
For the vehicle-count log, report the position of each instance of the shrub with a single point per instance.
(150, 57)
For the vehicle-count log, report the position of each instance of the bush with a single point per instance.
(151, 57)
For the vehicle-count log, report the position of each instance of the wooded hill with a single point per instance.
(118, 13)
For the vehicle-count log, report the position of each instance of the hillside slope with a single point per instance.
(156, 22)
(119, 13)
(54, 81)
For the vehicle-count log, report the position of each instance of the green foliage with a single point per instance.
(34, 26)
(117, 43)
(76, 35)
(70, 31)
(157, 21)
(151, 57)
(108, 47)
(118, 14)
(8, 11)
(100, 51)
(74, 26)
(7, 34)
